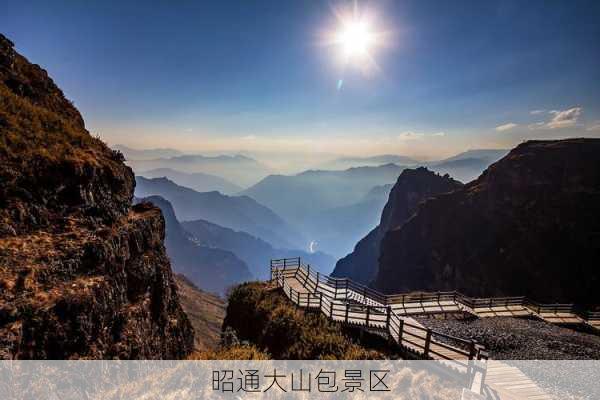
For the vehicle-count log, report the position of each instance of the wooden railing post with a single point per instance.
(320, 301)
(365, 294)
(331, 309)
(427, 343)
(472, 350)
(368, 315)
(400, 331)
(317, 285)
(347, 310)
(387, 320)
(307, 275)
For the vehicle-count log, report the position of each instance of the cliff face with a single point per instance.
(83, 274)
(412, 188)
(529, 225)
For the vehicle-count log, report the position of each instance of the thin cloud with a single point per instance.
(536, 112)
(506, 127)
(410, 135)
(561, 119)
(565, 118)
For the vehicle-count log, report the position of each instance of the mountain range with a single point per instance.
(468, 165)
(209, 268)
(322, 204)
(198, 181)
(253, 251)
(132, 154)
(236, 212)
(344, 163)
(238, 169)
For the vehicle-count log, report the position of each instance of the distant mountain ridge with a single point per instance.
(468, 165)
(198, 181)
(528, 226)
(309, 198)
(253, 251)
(344, 163)
(235, 212)
(238, 169)
(146, 154)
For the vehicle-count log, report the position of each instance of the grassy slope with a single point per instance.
(262, 316)
(205, 311)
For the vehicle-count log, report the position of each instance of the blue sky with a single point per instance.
(255, 75)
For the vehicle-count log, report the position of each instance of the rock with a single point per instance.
(83, 274)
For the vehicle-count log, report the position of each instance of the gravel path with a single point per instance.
(521, 339)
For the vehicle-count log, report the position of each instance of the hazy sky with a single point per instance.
(257, 75)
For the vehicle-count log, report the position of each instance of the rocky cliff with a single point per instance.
(412, 187)
(83, 274)
(529, 225)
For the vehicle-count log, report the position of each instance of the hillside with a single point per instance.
(527, 226)
(235, 212)
(205, 312)
(83, 274)
(412, 187)
(211, 269)
(264, 316)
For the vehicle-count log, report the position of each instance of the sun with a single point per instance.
(355, 38)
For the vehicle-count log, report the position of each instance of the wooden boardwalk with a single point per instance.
(355, 305)
(503, 381)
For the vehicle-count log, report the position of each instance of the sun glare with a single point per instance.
(355, 39)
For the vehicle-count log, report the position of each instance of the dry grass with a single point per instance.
(205, 311)
(264, 317)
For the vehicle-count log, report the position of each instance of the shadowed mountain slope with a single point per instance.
(529, 225)
(413, 187)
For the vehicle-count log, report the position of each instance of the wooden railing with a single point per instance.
(338, 288)
(345, 301)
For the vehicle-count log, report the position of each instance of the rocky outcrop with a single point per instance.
(529, 225)
(83, 274)
(413, 187)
